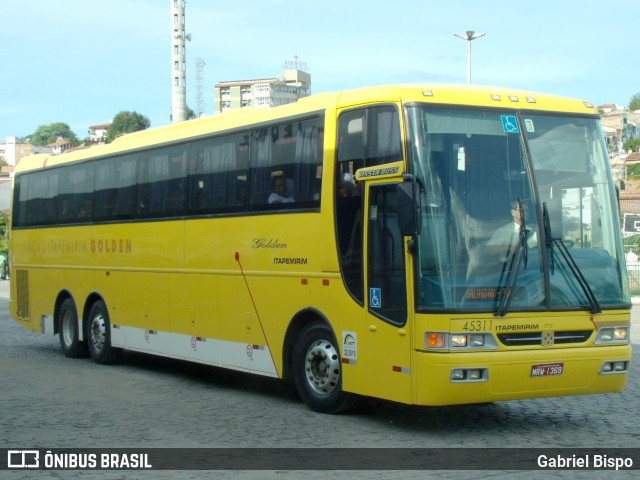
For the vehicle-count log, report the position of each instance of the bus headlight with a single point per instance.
(621, 333)
(612, 335)
(472, 341)
(459, 341)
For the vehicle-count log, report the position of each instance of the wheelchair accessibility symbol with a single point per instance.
(375, 298)
(509, 124)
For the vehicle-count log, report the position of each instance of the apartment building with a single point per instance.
(262, 92)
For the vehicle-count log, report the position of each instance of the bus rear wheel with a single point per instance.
(99, 335)
(317, 371)
(68, 330)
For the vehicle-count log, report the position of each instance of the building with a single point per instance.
(619, 126)
(6, 177)
(60, 146)
(262, 92)
(12, 152)
(98, 133)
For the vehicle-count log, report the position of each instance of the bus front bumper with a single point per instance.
(480, 377)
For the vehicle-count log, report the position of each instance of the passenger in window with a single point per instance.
(279, 193)
(349, 187)
(85, 209)
(66, 209)
(241, 199)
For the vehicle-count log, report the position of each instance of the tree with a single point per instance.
(634, 103)
(633, 145)
(126, 122)
(46, 134)
(4, 221)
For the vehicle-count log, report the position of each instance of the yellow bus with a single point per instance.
(429, 245)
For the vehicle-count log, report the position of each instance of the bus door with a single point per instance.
(388, 326)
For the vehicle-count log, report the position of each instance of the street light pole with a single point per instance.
(469, 35)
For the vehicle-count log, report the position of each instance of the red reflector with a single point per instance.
(304, 281)
(325, 281)
(396, 368)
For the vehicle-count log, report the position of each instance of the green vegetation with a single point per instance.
(633, 172)
(634, 103)
(633, 145)
(4, 220)
(126, 122)
(632, 244)
(46, 134)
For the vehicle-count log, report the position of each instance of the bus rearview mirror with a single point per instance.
(408, 205)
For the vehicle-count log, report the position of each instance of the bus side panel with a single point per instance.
(37, 305)
(145, 299)
(264, 274)
(133, 262)
(195, 316)
(145, 246)
(43, 261)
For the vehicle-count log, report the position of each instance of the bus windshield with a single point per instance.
(518, 212)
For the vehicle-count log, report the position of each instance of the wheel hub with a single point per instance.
(322, 365)
(97, 332)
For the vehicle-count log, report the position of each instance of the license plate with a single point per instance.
(547, 369)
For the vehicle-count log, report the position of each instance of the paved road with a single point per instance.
(49, 401)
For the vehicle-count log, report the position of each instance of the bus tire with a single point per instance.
(317, 371)
(68, 330)
(99, 335)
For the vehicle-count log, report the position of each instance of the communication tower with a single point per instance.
(295, 64)
(178, 61)
(200, 64)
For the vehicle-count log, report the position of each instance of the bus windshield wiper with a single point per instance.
(578, 276)
(519, 257)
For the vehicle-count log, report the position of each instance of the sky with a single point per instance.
(82, 61)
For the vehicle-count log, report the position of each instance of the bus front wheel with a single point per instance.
(317, 371)
(99, 335)
(68, 329)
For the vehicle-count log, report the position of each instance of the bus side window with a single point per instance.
(115, 191)
(217, 175)
(161, 189)
(75, 196)
(37, 194)
(290, 154)
(383, 141)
